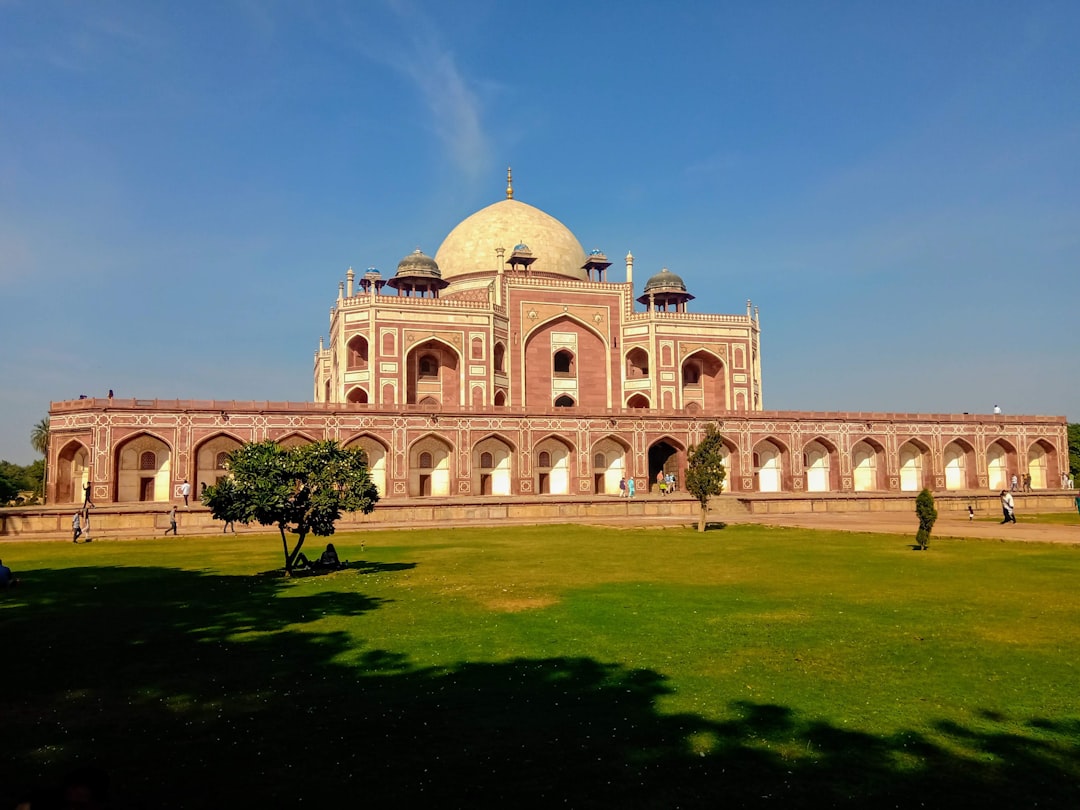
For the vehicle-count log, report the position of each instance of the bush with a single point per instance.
(927, 513)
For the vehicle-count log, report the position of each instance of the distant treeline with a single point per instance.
(15, 479)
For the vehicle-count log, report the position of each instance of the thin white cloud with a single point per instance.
(422, 54)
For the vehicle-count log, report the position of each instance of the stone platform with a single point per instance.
(825, 510)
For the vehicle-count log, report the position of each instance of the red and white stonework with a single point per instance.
(510, 365)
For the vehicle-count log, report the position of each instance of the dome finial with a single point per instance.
(509, 183)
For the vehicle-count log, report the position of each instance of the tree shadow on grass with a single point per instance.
(199, 690)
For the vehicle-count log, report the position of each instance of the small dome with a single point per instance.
(521, 246)
(372, 273)
(418, 263)
(666, 281)
(596, 252)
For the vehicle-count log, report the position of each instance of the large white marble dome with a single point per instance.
(471, 246)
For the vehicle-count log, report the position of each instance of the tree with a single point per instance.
(301, 490)
(705, 471)
(924, 508)
(1074, 449)
(39, 438)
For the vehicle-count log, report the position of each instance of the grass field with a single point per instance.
(549, 666)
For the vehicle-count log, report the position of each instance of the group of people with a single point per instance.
(1067, 481)
(627, 487)
(80, 521)
(1021, 484)
(665, 483)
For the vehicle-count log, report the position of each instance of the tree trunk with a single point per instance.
(285, 548)
(703, 519)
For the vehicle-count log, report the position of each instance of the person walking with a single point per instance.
(1008, 508)
(87, 503)
(185, 490)
(1014, 482)
(172, 522)
(622, 487)
(630, 487)
(76, 528)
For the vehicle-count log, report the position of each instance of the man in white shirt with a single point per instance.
(185, 490)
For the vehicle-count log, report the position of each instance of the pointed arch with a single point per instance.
(135, 479)
(867, 465)
(1001, 464)
(638, 401)
(913, 457)
(376, 451)
(432, 477)
(609, 456)
(356, 351)
(492, 465)
(72, 472)
(552, 469)
(666, 456)
(295, 438)
(770, 459)
(206, 453)
(357, 395)
(821, 465)
(958, 461)
(434, 369)
(1042, 465)
(704, 381)
(636, 364)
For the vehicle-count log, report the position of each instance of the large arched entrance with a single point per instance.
(959, 461)
(429, 467)
(665, 456)
(866, 466)
(819, 460)
(609, 466)
(143, 465)
(433, 372)
(492, 463)
(552, 467)
(375, 454)
(999, 466)
(912, 458)
(768, 466)
(72, 472)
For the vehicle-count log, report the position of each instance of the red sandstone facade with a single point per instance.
(509, 366)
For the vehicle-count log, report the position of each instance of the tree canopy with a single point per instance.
(705, 471)
(301, 490)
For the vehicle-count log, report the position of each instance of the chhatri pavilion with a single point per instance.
(514, 363)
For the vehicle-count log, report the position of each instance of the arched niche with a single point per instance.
(609, 465)
(72, 472)
(914, 461)
(820, 464)
(433, 372)
(704, 381)
(375, 453)
(143, 465)
(430, 460)
(492, 461)
(210, 460)
(958, 460)
(551, 469)
(867, 466)
(769, 456)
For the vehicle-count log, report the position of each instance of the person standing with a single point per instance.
(622, 487)
(76, 528)
(172, 522)
(1008, 508)
(86, 526)
(997, 410)
(185, 490)
(1014, 482)
(630, 486)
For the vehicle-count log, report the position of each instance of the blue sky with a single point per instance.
(896, 186)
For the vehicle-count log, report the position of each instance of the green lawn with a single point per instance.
(549, 666)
